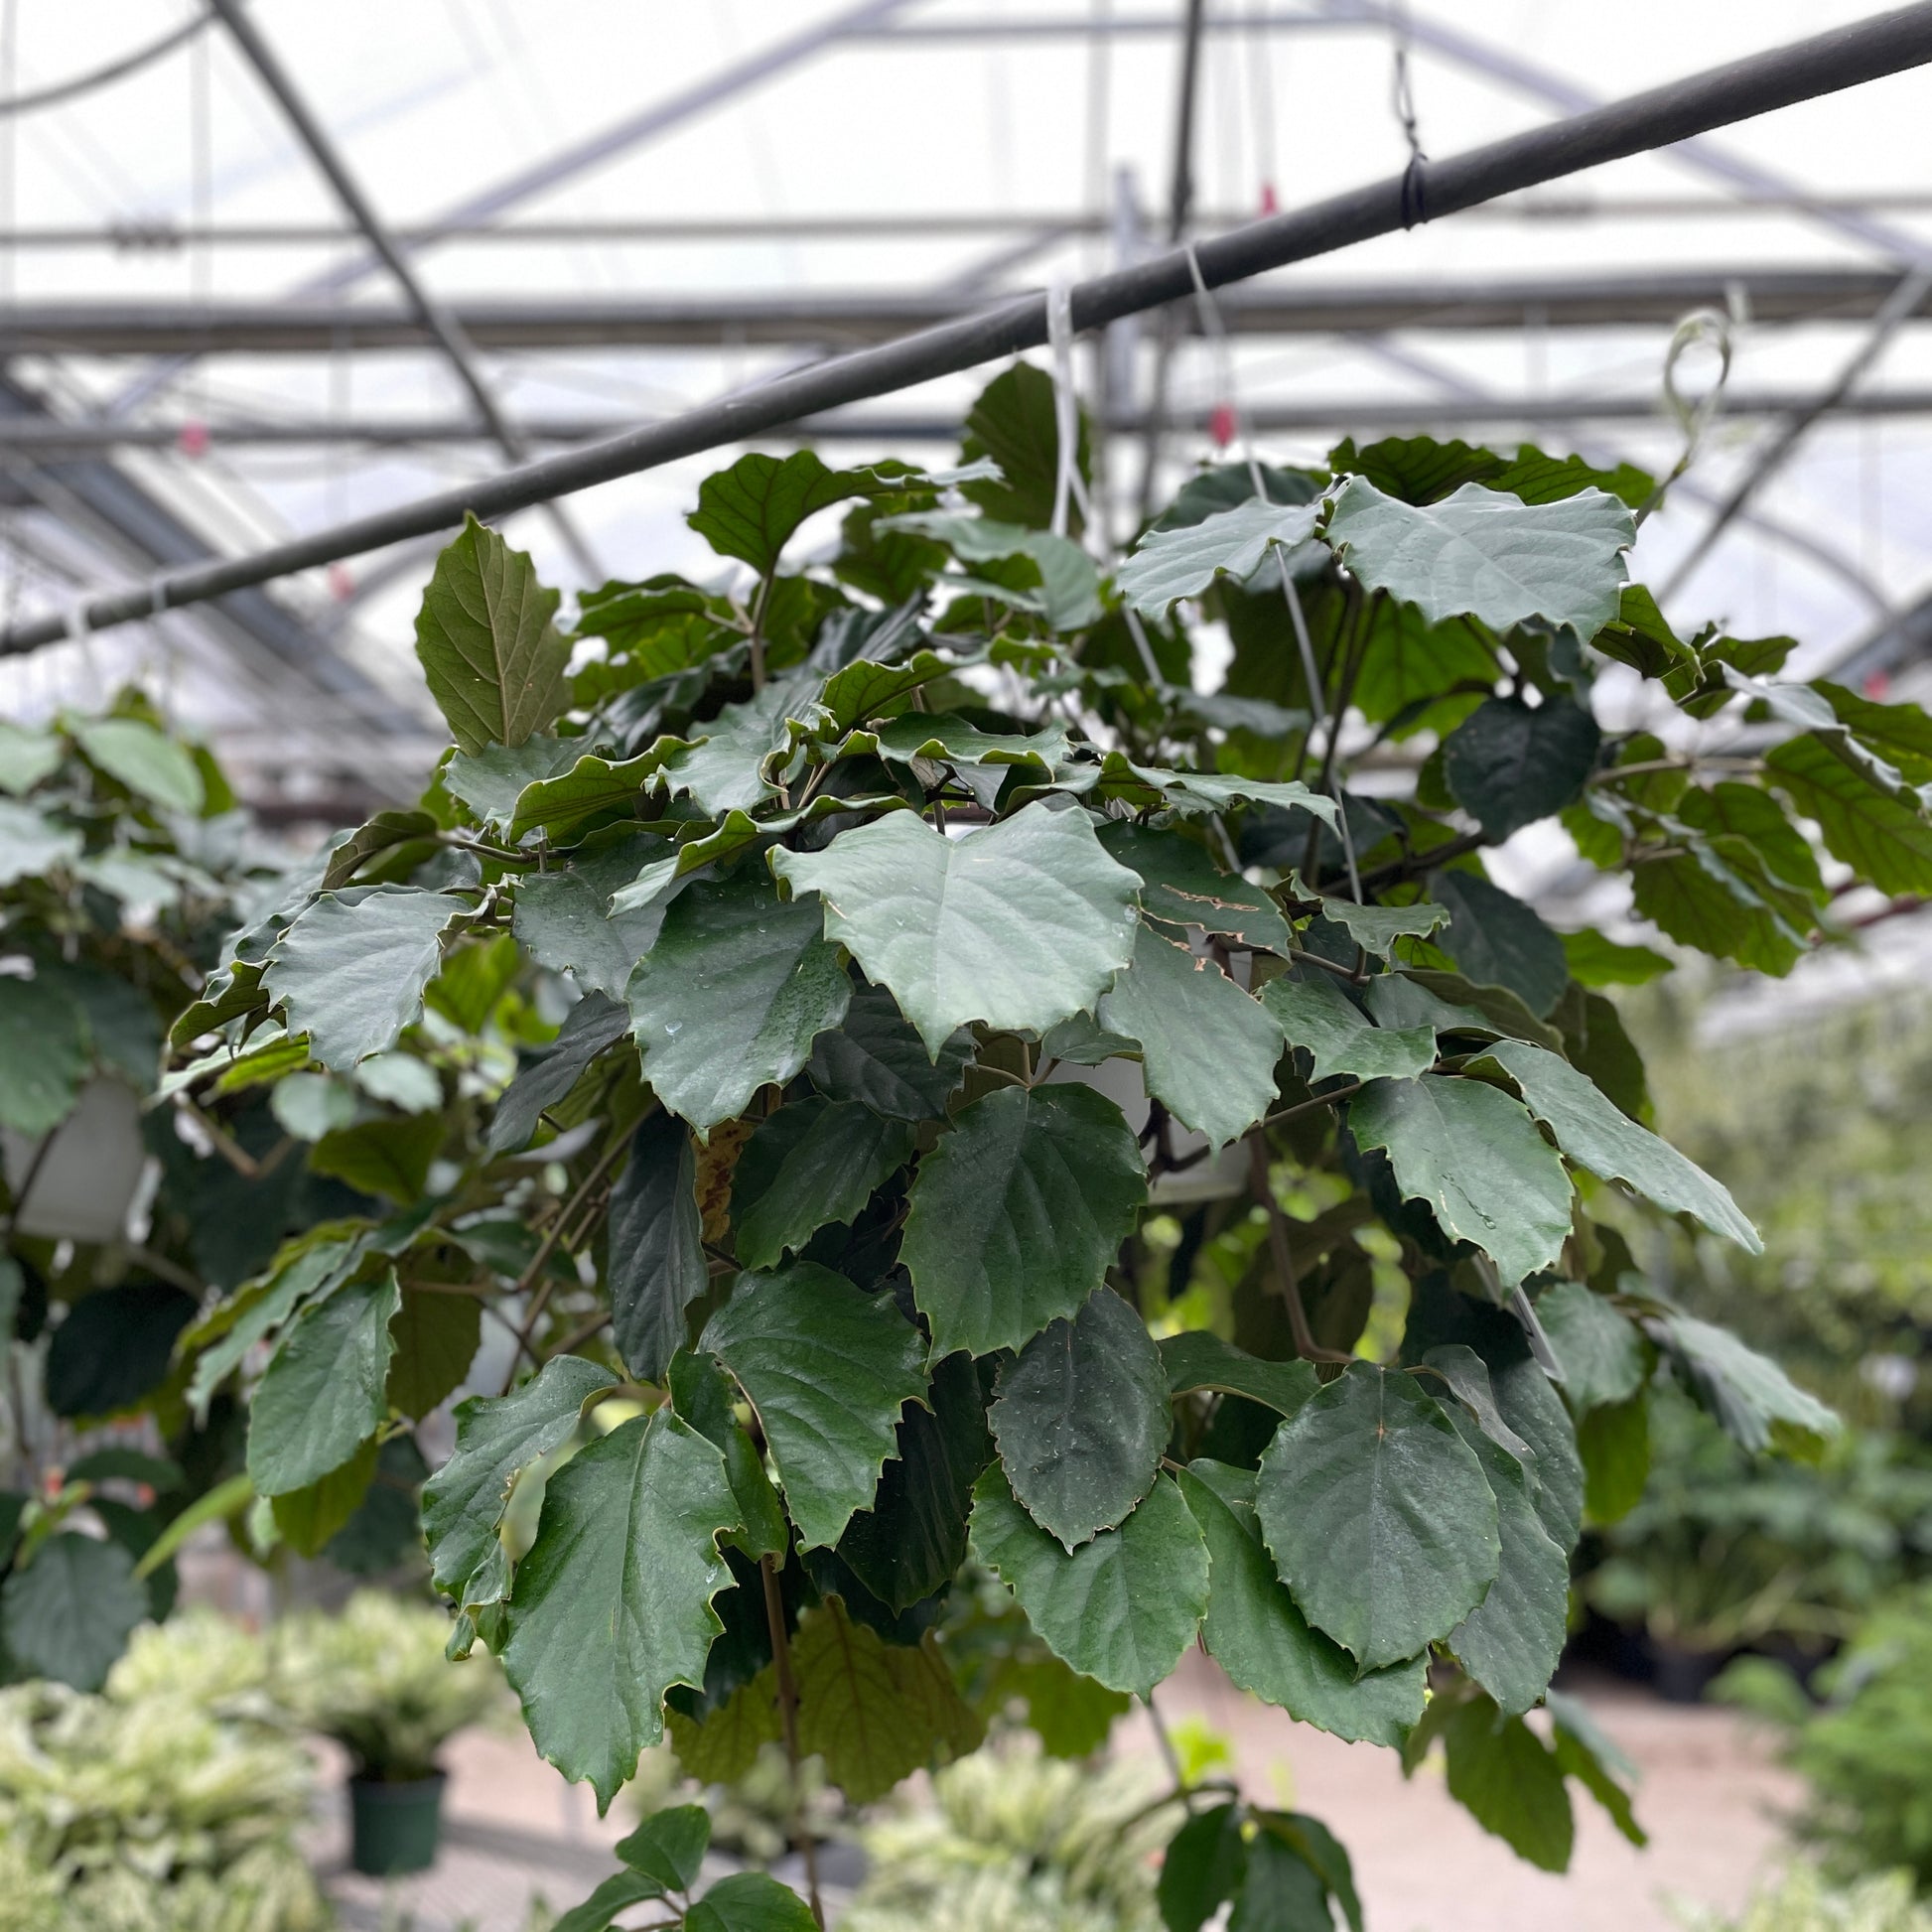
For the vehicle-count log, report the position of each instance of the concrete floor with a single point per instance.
(1709, 1799)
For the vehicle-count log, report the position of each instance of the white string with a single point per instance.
(1305, 645)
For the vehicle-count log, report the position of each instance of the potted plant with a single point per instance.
(372, 1676)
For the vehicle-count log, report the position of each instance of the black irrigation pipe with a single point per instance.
(1885, 43)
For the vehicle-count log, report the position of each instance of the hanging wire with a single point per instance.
(12, 105)
(1216, 327)
(1415, 200)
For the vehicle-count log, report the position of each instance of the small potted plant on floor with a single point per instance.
(372, 1676)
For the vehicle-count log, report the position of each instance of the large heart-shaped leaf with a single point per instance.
(732, 996)
(1179, 882)
(1017, 1215)
(613, 1604)
(828, 1370)
(875, 1057)
(1510, 764)
(751, 510)
(811, 1162)
(1480, 553)
(492, 658)
(1171, 564)
(1378, 1515)
(1122, 1607)
(1021, 925)
(1475, 1155)
(1255, 1632)
(1082, 1419)
(68, 1614)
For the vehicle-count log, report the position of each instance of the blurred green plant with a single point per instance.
(1803, 1901)
(373, 1676)
(1013, 1840)
(168, 1803)
(1727, 1548)
(1866, 1751)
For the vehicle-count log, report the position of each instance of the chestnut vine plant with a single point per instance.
(1044, 1169)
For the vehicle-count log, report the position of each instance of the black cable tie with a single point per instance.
(1415, 189)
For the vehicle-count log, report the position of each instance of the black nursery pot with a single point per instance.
(394, 1827)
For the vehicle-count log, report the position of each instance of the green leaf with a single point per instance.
(874, 1056)
(312, 1106)
(827, 1369)
(1511, 1641)
(1900, 733)
(751, 511)
(875, 1711)
(1021, 925)
(1596, 961)
(748, 1901)
(1167, 565)
(1068, 596)
(436, 1339)
(1509, 765)
(617, 1893)
(491, 780)
(1199, 1360)
(488, 650)
(1482, 554)
(722, 1748)
(1497, 940)
(1376, 928)
(352, 973)
(593, 787)
(1585, 1754)
(1418, 996)
(1597, 1136)
(1378, 1516)
(1082, 1419)
(1255, 1632)
(147, 762)
(68, 1614)
(495, 1438)
(1613, 1442)
(720, 769)
(26, 756)
(30, 845)
(1339, 1038)
(1189, 793)
(1018, 1213)
(732, 995)
(913, 1540)
(561, 919)
(1179, 882)
(1279, 1890)
(1121, 1608)
(1475, 1155)
(1713, 898)
(1468, 1376)
(656, 1266)
(613, 1604)
(390, 1156)
(1509, 1781)
(811, 1162)
(1884, 832)
(1208, 1049)
(1070, 1715)
(1530, 1405)
(309, 1518)
(668, 1848)
(980, 759)
(1204, 1865)
(1015, 425)
(594, 1024)
(1748, 1393)
(113, 1347)
(1600, 1354)
(45, 1051)
(322, 1391)
(701, 1394)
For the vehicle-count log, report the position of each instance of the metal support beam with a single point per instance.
(786, 319)
(427, 309)
(1848, 57)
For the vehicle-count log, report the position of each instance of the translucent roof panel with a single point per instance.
(636, 210)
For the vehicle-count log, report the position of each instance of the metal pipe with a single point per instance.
(1823, 64)
(787, 317)
(429, 311)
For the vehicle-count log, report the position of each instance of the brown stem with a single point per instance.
(548, 1247)
(579, 1335)
(1306, 1344)
(1320, 1100)
(801, 1837)
(1398, 870)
